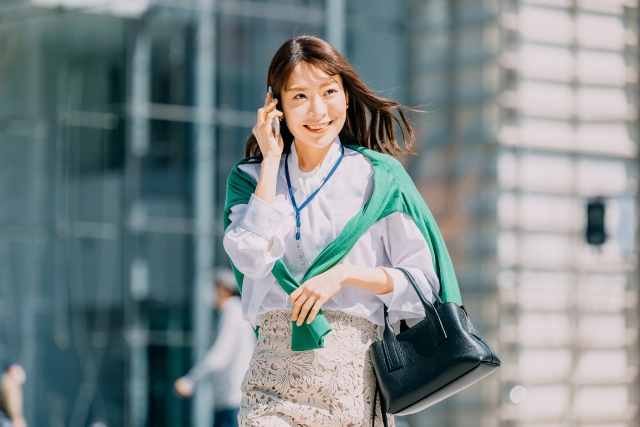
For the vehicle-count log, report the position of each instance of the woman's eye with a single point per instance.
(299, 96)
(331, 91)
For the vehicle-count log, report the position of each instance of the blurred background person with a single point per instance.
(228, 359)
(13, 376)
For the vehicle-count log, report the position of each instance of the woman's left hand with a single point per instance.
(309, 298)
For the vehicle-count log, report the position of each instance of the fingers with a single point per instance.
(262, 112)
(272, 115)
(297, 304)
(308, 305)
(314, 312)
(305, 306)
(301, 298)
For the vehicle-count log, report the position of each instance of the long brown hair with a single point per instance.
(370, 119)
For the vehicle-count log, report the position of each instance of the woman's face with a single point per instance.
(314, 104)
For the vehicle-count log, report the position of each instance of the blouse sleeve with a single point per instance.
(254, 239)
(220, 354)
(406, 247)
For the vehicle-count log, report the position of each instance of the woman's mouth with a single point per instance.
(318, 128)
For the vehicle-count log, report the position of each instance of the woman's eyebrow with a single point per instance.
(302, 88)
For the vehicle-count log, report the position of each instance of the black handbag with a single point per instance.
(429, 362)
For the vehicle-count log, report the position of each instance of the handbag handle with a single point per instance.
(393, 352)
(430, 312)
(436, 295)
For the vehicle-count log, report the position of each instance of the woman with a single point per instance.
(314, 274)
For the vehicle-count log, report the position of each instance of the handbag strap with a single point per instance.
(429, 310)
(436, 295)
(383, 410)
(393, 352)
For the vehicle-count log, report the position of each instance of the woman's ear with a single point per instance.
(346, 95)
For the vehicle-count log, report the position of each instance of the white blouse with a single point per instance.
(390, 242)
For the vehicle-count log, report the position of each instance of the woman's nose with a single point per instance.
(318, 107)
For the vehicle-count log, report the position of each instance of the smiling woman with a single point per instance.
(316, 105)
(315, 110)
(306, 74)
(303, 219)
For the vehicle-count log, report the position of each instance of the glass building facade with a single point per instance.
(533, 115)
(120, 121)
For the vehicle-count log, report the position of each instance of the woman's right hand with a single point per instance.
(263, 132)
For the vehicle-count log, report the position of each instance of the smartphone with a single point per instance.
(275, 123)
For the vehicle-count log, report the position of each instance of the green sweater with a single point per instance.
(393, 191)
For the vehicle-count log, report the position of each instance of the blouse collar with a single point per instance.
(319, 173)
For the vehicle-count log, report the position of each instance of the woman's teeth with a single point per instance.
(318, 127)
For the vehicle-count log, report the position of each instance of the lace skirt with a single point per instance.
(333, 386)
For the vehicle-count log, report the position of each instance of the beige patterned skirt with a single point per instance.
(333, 386)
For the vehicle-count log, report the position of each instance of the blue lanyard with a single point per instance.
(293, 200)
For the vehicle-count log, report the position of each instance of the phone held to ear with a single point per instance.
(275, 123)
